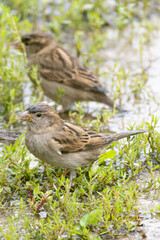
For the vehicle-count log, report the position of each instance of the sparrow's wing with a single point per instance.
(73, 138)
(58, 65)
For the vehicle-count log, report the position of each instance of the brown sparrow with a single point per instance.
(58, 69)
(61, 143)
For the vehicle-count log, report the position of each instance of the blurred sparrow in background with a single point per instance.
(61, 143)
(58, 69)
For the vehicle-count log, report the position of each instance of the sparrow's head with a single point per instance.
(34, 42)
(40, 118)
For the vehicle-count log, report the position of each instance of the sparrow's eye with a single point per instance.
(38, 114)
(26, 40)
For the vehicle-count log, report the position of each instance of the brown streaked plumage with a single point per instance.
(58, 69)
(61, 143)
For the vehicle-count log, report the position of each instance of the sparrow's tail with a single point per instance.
(103, 98)
(9, 135)
(118, 136)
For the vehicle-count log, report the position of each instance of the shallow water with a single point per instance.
(150, 225)
(141, 109)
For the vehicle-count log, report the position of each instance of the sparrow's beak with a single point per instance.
(17, 45)
(25, 116)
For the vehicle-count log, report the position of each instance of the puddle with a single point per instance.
(150, 225)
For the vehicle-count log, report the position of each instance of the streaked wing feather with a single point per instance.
(58, 65)
(73, 138)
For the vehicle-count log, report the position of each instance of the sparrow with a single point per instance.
(58, 69)
(61, 143)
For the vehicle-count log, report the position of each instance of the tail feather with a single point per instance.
(9, 135)
(103, 98)
(118, 136)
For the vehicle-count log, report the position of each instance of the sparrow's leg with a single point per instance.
(65, 172)
(72, 176)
